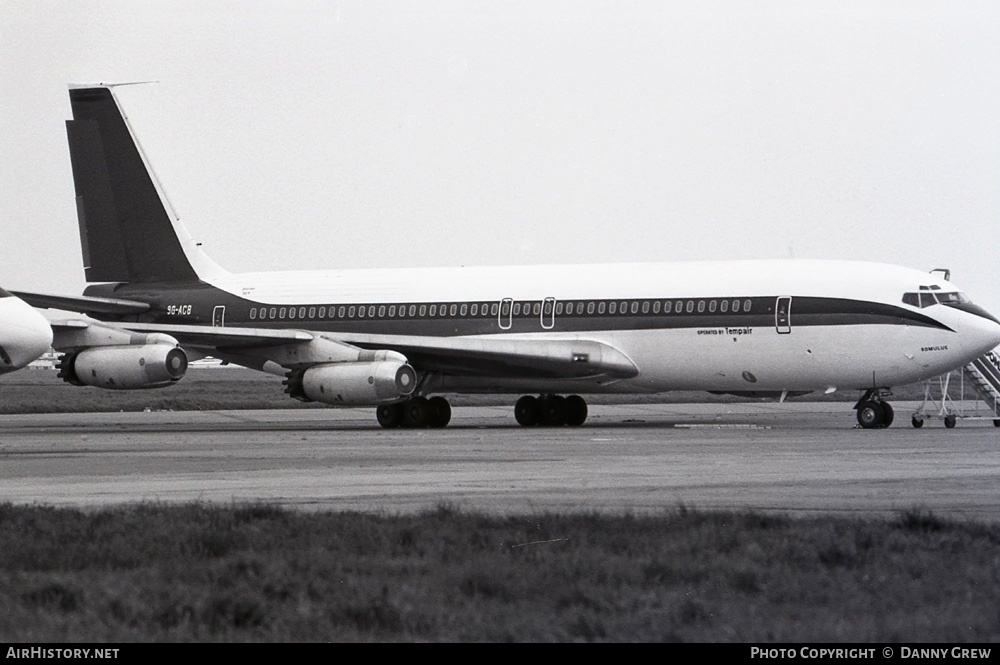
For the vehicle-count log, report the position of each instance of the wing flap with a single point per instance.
(518, 357)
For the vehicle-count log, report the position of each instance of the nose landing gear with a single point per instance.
(873, 411)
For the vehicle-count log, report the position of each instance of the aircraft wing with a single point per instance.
(462, 356)
(201, 337)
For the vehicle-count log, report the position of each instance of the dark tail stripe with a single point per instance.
(125, 232)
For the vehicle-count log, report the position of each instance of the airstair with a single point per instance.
(981, 378)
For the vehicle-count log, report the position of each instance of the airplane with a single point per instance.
(24, 333)
(399, 339)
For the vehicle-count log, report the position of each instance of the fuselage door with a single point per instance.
(783, 315)
(219, 316)
(549, 313)
(504, 318)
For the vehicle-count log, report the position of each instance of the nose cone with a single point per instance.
(24, 334)
(980, 334)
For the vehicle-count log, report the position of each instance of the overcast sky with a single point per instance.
(381, 134)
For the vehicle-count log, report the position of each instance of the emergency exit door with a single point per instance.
(783, 315)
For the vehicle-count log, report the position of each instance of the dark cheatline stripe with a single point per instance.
(4, 294)
(972, 309)
(194, 304)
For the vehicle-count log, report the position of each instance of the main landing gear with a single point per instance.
(551, 410)
(545, 410)
(873, 411)
(415, 413)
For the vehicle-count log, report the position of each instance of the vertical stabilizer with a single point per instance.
(128, 232)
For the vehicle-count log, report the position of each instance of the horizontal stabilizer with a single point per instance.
(84, 304)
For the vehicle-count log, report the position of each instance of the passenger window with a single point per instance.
(453, 310)
(590, 307)
(392, 311)
(281, 313)
(679, 306)
(302, 312)
(274, 312)
(601, 307)
(645, 307)
(253, 313)
(322, 312)
(667, 306)
(701, 306)
(341, 312)
(724, 306)
(538, 308)
(612, 307)
(711, 306)
(690, 306)
(494, 308)
(736, 306)
(475, 309)
(656, 307)
(746, 305)
(464, 310)
(381, 311)
(434, 310)
(635, 307)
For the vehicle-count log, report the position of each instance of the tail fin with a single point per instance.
(128, 232)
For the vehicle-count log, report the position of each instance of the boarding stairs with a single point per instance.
(982, 376)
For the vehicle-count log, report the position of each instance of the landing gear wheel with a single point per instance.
(950, 421)
(439, 412)
(576, 411)
(526, 411)
(871, 415)
(887, 414)
(917, 422)
(389, 416)
(415, 412)
(552, 411)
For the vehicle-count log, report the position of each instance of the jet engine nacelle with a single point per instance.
(125, 367)
(354, 384)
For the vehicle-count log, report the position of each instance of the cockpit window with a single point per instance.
(928, 298)
(953, 297)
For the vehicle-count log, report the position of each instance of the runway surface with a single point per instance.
(797, 459)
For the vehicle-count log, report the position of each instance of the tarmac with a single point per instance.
(797, 459)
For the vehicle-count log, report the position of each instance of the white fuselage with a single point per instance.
(813, 325)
